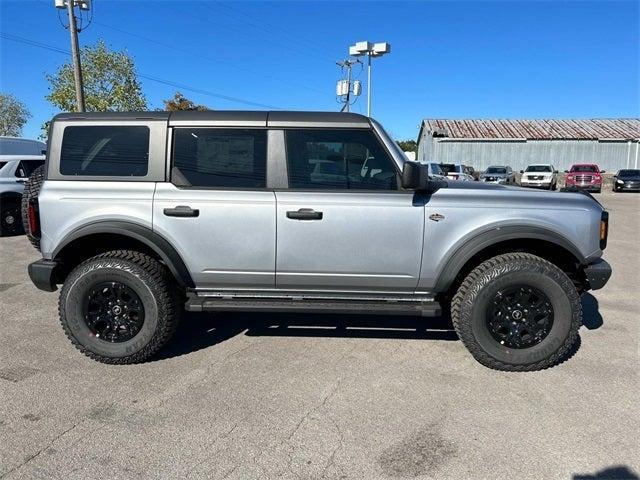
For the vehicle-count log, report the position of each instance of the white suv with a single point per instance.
(539, 175)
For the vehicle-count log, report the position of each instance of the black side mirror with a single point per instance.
(411, 175)
(566, 171)
(603, 171)
(521, 171)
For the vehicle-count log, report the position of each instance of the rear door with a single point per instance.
(216, 210)
(343, 224)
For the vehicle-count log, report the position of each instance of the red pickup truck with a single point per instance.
(585, 176)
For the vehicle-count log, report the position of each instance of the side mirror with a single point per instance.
(411, 175)
(566, 171)
(521, 171)
(603, 171)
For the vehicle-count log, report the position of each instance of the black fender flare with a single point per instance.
(486, 239)
(11, 196)
(154, 241)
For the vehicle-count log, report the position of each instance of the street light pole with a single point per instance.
(370, 50)
(77, 71)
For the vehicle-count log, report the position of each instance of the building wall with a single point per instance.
(480, 154)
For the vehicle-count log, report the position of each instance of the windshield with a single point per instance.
(389, 142)
(435, 169)
(496, 170)
(629, 173)
(538, 168)
(584, 168)
(450, 168)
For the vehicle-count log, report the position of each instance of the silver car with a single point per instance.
(502, 175)
(142, 215)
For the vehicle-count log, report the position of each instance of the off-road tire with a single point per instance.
(469, 304)
(31, 190)
(148, 279)
(10, 223)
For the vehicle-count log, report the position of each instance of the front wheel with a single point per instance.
(119, 307)
(517, 312)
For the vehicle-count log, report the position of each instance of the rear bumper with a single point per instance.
(42, 274)
(597, 274)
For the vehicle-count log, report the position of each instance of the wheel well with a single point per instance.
(85, 247)
(552, 252)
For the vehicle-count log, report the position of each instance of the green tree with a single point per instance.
(110, 82)
(180, 102)
(13, 115)
(408, 145)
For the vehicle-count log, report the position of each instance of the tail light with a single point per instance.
(33, 215)
(604, 230)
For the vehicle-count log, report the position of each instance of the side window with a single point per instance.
(338, 159)
(111, 151)
(26, 167)
(210, 157)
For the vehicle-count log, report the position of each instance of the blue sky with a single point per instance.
(450, 59)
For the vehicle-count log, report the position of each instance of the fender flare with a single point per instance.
(476, 244)
(11, 195)
(155, 242)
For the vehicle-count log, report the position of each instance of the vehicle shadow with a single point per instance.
(202, 330)
(591, 317)
(618, 472)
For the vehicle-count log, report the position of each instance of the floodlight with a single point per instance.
(381, 48)
(60, 4)
(363, 47)
(85, 4)
(353, 51)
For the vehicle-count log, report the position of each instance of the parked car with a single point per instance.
(456, 171)
(435, 171)
(472, 172)
(14, 172)
(499, 174)
(21, 146)
(626, 180)
(584, 176)
(539, 175)
(222, 211)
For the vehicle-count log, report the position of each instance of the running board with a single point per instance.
(197, 303)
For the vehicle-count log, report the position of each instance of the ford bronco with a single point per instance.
(142, 215)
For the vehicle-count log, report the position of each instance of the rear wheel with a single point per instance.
(517, 312)
(10, 222)
(119, 307)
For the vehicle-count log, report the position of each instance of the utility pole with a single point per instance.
(77, 69)
(345, 88)
(69, 5)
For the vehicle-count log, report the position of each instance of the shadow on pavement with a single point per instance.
(591, 317)
(202, 330)
(618, 472)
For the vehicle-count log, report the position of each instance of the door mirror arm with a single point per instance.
(415, 176)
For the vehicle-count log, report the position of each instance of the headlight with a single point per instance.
(619, 181)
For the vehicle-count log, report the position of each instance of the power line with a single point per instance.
(210, 59)
(270, 28)
(33, 43)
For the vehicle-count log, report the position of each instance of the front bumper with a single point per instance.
(597, 274)
(629, 186)
(43, 274)
(589, 187)
(536, 183)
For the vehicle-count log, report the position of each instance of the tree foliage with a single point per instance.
(408, 145)
(109, 78)
(180, 102)
(13, 115)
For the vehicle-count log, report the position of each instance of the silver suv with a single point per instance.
(142, 215)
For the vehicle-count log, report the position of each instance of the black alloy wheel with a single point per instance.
(113, 312)
(519, 316)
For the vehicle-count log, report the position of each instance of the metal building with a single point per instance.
(611, 143)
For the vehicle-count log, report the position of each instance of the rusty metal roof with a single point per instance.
(588, 129)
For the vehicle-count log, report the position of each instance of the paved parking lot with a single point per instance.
(301, 396)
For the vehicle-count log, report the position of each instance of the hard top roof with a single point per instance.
(230, 117)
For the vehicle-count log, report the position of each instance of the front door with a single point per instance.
(217, 211)
(343, 224)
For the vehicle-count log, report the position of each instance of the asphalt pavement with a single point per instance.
(257, 396)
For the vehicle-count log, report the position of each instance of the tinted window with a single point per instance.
(496, 170)
(105, 151)
(208, 157)
(450, 168)
(538, 168)
(338, 159)
(435, 169)
(629, 173)
(2, 164)
(26, 167)
(584, 168)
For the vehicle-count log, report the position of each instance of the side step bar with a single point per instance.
(197, 303)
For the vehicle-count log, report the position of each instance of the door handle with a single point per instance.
(181, 211)
(304, 214)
